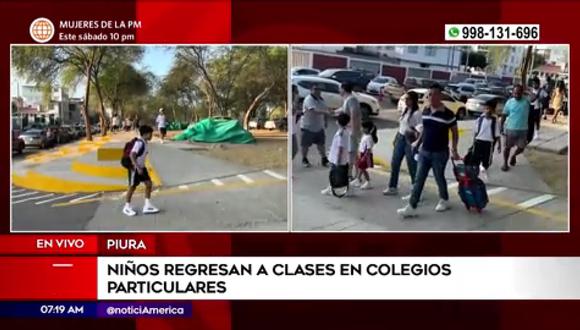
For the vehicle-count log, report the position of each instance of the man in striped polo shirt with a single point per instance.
(433, 144)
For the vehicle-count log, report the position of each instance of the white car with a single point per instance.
(330, 92)
(461, 91)
(303, 71)
(270, 125)
(387, 86)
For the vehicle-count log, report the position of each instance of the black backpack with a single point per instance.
(126, 159)
(338, 178)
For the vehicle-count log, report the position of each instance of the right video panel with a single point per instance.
(430, 138)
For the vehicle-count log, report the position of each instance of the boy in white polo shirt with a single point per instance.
(340, 148)
(486, 136)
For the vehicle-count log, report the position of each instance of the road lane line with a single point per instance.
(536, 201)
(81, 198)
(245, 179)
(496, 191)
(275, 175)
(24, 195)
(183, 187)
(54, 199)
(217, 182)
(31, 199)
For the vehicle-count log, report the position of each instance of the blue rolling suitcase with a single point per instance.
(472, 190)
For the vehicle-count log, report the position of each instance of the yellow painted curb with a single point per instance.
(155, 178)
(35, 181)
(107, 154)
(114, 172)
(117, 172)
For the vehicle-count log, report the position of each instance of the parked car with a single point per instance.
(61, 134)
(474, 81)
(461, 91)
(412, 82)
(359, 79)
(18, 143)
(475, 105)
(36, 137)
(303, 71)
(387, 86)
(72, 133)
(330, 91)
(447, 99)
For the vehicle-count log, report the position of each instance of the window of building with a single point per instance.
(430, 51)
(412, 49)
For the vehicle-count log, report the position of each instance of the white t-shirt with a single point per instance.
(161, 121)
(138, 145)
(366, 143)
(340, 140)
(485, 133)
(407, 121)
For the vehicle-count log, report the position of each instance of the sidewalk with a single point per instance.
(552, 138)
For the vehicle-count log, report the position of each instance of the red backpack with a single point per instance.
(126, 159)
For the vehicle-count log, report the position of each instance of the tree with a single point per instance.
(476, 59)
(497, 56)
(527, 62)
(44, 65)
(227, 80)
(121, 83)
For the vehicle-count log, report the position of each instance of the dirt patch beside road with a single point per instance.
(266, 153)
(552, 168)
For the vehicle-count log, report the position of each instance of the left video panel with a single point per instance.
(149, 138)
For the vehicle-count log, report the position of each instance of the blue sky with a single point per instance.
(157, 59)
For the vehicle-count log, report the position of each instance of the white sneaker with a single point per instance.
(355, 183)
(483, 174)
(407, 198)
(390, 191)
(442, 206)
(407, 212)
(326, 191)
(128, 211)
(366, 186)
(536, 135)
(149, 209)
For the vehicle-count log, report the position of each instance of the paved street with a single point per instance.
(519, 199)
(195, 192)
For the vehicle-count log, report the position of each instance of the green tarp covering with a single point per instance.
(216, 130)
(176, 126)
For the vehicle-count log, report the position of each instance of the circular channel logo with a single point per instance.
(41, 30)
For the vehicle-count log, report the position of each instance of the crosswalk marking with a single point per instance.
(83, 198)
(496, 190)
(18, 190)
(536, 201)
(31, 199)
(25, 194)
(183, 187)
(245, 179)
(275, 175)
(54, 199)
(217, 182)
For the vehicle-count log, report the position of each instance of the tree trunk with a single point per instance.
(86, 104)
(255, 103)
(526, 65)
(102, 113)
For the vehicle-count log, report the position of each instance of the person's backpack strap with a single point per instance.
(479, 123)
(493, 125)
(141, 149)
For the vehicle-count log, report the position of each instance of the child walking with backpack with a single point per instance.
(365, 159)
(339, 157)
(486, 136)
(134, 157)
